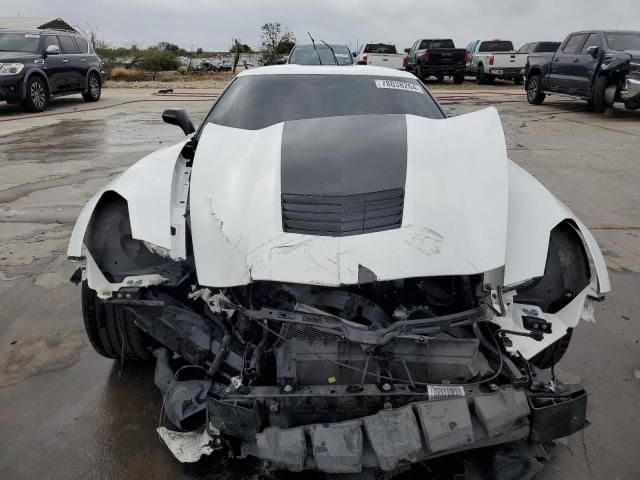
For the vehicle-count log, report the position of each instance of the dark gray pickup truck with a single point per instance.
(601, 66)
(437, 58)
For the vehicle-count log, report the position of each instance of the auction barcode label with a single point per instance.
(398, 85)
(439, 392)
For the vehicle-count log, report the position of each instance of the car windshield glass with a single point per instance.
(19, 42)
(306, 55)
(255, 102)
(546, 47)
(380, 48)
(496, 46)
(624, 41)
(425, 44)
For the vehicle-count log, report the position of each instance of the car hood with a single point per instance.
(6, 57)
(454, 199)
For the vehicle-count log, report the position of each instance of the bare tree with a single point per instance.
(276, 41)
(90, 32)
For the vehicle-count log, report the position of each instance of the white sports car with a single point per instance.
(328, 273)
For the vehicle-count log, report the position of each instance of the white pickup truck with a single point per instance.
(491, 59)
(380, 55)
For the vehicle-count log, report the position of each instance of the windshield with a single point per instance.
(380, 48)
(19, 42)
(496, 46)
(425, 44)
(624, 41)
(546, 47)
(255, 102)
(307, 55)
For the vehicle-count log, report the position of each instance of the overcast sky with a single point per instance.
(212, 24)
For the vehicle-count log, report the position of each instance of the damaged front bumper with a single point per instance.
(327, 428)
(630, 92)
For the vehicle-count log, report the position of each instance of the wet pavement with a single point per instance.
(66, 412)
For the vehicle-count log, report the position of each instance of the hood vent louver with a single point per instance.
(340, 216)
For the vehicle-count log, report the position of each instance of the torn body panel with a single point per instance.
(154, 189)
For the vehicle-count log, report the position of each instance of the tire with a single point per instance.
(419, 74)
(535, 95)
(440, 78)
(37, 95)
(94, 89)
(551, 355)
(458, 78)
(111, 329)
(519, 80)
(598, 101)
(481, 78)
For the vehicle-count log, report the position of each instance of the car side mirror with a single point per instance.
(593, 50)
(179, 117)
(355, 54)
(407, 50)
(51, 50)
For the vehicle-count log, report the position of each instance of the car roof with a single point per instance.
(39, 31)
(320, 43)
(293, 69)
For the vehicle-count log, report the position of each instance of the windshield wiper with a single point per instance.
(314, 47)
(332, 52)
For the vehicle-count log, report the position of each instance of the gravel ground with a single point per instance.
(215, 80)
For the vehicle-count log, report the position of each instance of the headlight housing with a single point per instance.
(11, 68)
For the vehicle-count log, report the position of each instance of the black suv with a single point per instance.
(36, 65)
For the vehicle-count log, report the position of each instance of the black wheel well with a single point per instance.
(566, 273)
(41, 76)
(533, 72)
(109, 240)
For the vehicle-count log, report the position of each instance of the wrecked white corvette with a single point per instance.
(330, 277)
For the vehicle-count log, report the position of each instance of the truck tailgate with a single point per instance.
(389, 60)
(446, 56)
(509, 60)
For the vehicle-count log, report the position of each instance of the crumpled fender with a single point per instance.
(533, 212)
(153, 188)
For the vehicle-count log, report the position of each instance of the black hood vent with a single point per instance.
(343, 175)
(340, 216)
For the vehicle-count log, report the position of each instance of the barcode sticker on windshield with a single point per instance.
(398, 85)
(440, 392)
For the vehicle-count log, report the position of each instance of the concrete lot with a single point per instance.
(66, 413)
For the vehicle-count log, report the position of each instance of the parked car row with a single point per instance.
(601, 67)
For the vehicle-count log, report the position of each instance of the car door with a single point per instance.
(84, 59)
(587, 64)
(53, 65)
(71, 62)
(564, 76)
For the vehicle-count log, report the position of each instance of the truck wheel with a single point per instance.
(111, 330)
(458, 78)
(551, 355)
(598, 98)
(481, 78)
(37, 95)
(518, 80)
(535, 95)
(440, 78)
